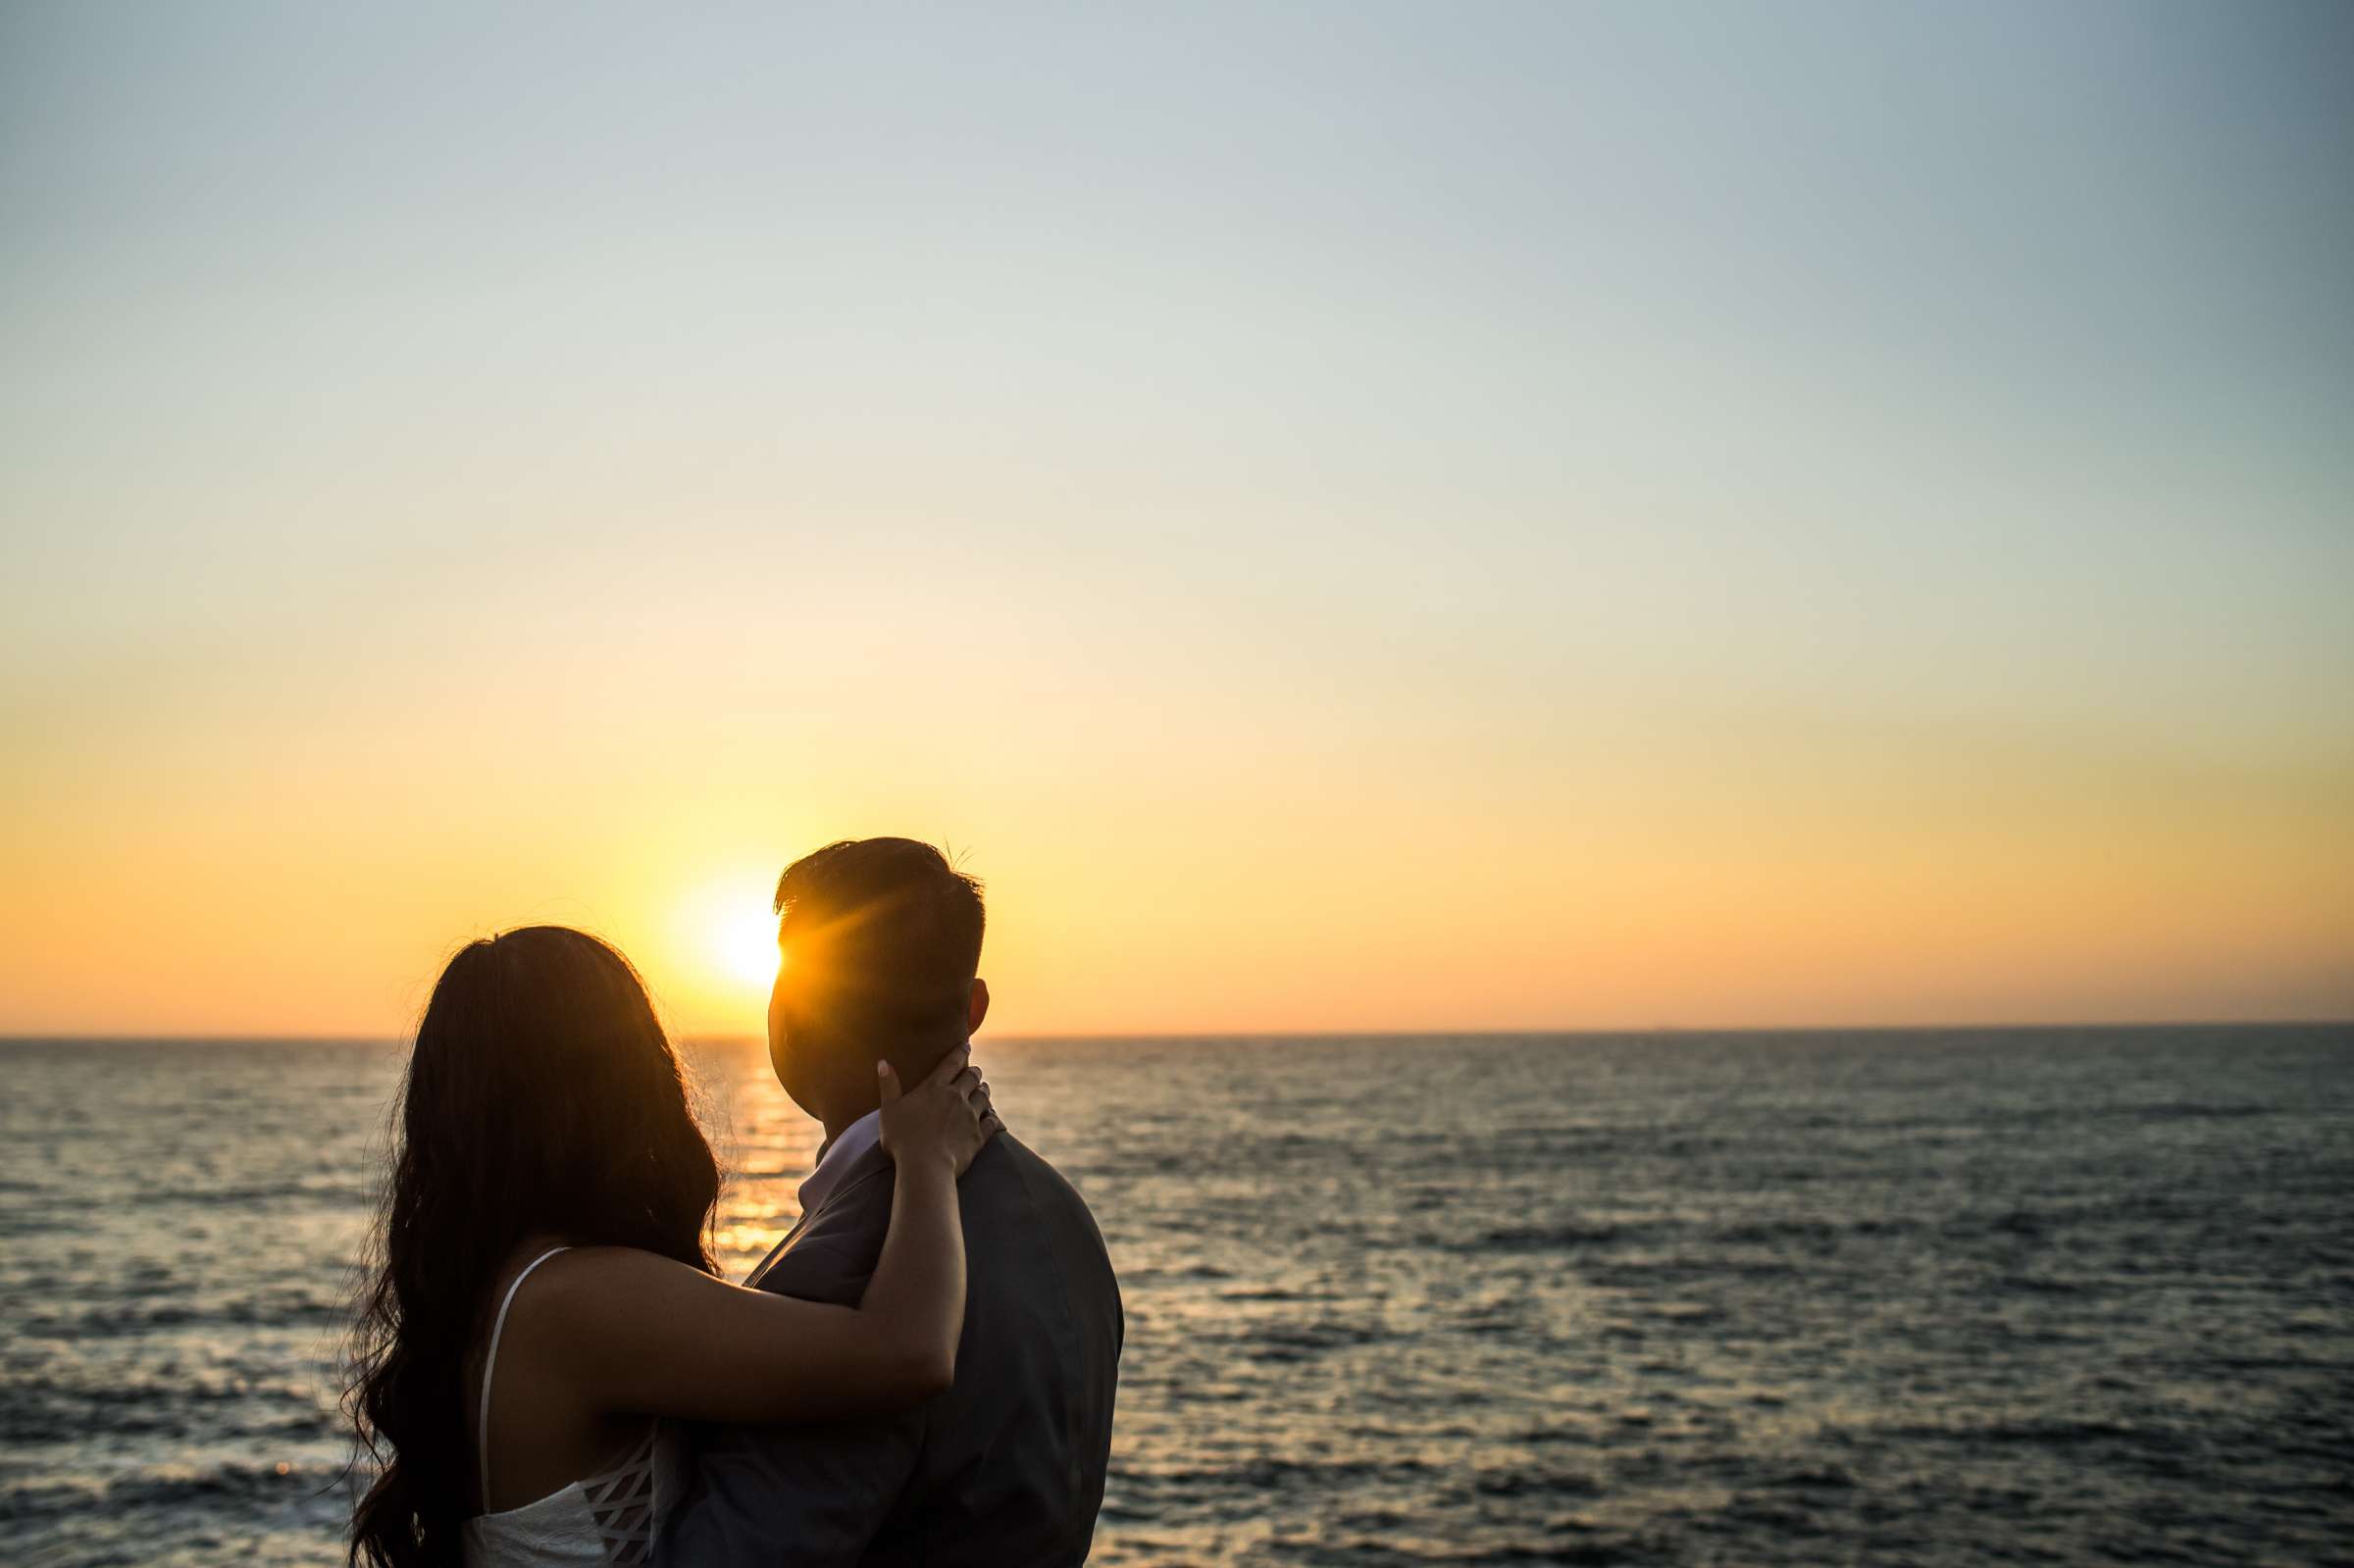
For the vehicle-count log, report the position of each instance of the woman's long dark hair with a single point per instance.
(542, 1097)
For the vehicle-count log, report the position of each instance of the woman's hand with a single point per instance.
(945, 1118)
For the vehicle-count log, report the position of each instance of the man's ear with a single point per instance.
(975, 1006)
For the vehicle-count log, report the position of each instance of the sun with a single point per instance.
(721, 946)
(742, 945)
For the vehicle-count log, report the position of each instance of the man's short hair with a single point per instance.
(882, 938)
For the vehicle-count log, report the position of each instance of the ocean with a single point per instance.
(1932, 1298)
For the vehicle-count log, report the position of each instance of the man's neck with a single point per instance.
(835, 1128)
(928, 1053)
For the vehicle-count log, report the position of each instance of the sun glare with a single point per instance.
(744, 946)
(726, 937)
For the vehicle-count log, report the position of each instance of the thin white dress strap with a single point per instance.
(481, 1425)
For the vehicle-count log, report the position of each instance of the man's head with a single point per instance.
(880, 938)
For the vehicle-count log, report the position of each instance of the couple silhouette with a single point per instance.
(548, 1367)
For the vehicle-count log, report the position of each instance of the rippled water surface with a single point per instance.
(1939, 1298)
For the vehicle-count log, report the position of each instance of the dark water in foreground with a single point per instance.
(1937, 1299)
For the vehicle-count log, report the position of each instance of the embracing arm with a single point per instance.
(641, 1334)
(813, 1495)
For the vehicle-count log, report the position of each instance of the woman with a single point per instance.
(546, 1297)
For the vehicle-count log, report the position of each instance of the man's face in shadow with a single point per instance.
(827, 1066)
(807, 1067)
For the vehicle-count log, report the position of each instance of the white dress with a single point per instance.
(611, 1517)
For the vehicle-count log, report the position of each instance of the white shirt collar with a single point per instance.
(840, 1154)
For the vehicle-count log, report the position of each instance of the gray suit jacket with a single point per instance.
(1004, 1467)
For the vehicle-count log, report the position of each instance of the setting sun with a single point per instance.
(744, 946)
(720, 947)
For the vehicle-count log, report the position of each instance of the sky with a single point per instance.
(1345, 517)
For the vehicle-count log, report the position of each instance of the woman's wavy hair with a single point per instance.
(542, 1097)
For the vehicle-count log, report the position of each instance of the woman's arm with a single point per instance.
(638, 1332)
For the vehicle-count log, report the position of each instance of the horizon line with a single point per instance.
(1636, 1032)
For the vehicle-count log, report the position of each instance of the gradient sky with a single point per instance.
(1348, 517)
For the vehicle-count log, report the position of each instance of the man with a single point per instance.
(881, 945)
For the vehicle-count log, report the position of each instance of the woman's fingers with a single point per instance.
(886, 1083)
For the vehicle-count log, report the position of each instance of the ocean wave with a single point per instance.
(226, 1487)
(1550, 1237)
(138, 1318)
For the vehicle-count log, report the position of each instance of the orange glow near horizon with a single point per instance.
(1279, 908)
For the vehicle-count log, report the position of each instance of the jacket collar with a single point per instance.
(835, 1160)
